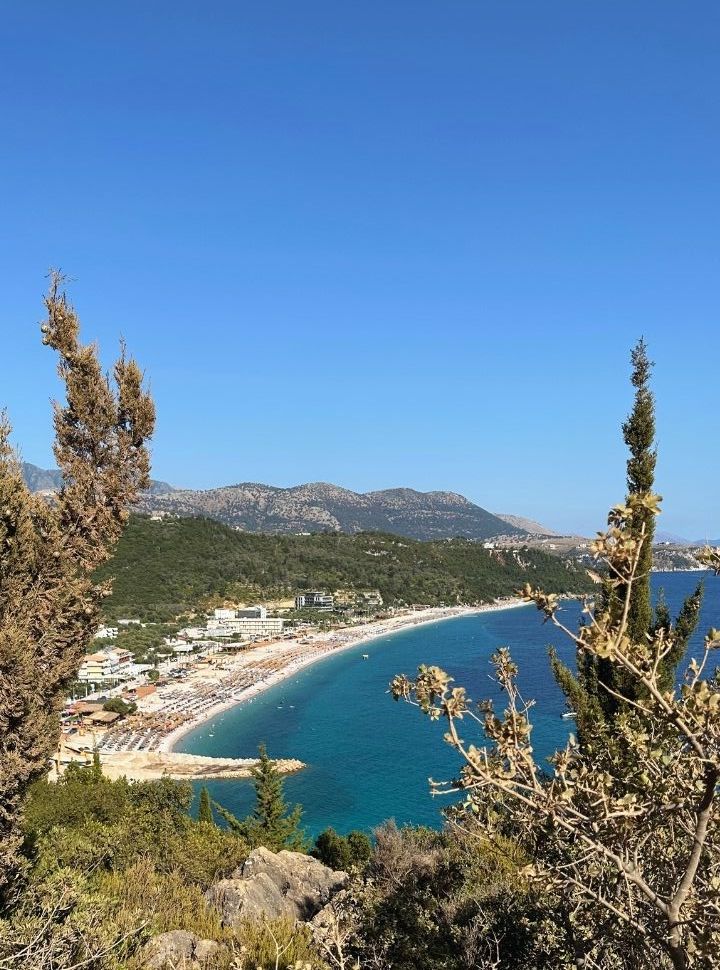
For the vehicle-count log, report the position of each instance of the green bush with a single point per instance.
(344, 852)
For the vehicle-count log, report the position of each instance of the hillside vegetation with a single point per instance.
(162, 568)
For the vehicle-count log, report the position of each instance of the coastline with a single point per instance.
(146, 766)
(366, 633)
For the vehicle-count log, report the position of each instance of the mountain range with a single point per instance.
(319, 506)
(50, 480)
(676, 540)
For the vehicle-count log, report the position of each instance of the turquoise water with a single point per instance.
(368, 757)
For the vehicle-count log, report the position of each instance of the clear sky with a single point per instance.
(378, 243)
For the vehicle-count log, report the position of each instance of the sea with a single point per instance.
(369, 757)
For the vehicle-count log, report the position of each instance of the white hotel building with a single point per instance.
(252, 622)
(104, 665)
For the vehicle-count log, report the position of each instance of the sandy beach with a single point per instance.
(142, 747)
(323, 645)
(146, 766)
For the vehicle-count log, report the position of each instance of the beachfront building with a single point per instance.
(315, 601)
(139, 691)
(224, 614)
(252, 622)
(193, 633)
(178, 645)
(107, 633)
(115, 664)
(252, 613)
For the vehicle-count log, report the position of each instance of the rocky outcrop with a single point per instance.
(179, 950)
(273, 885)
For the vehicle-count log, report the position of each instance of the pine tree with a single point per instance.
(272, 824)
(49, 604)
(591, 691)
(205, 812)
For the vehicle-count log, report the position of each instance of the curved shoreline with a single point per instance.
(370, 632)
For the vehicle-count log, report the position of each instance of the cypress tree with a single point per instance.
(639, 435)
(586, 691)
(96, 772)
(205, 812)
(49, 551)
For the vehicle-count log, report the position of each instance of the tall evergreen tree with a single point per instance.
(591, 691)
(272, 824)
(49, 603)
(205, 812)
(639, 435)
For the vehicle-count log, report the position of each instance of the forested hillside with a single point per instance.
(163, 567)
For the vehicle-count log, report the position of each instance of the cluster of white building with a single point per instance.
(111, 632)
(249, 623)
(113, 664)
(107, 633)
(252, 622)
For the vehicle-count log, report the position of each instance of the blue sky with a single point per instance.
(377, 244)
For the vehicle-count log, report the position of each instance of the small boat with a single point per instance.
(568, 715)
(366, 656)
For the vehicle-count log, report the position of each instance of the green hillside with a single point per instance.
(162, 568)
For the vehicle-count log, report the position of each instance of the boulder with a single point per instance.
(178, 950)
(239, 899)
(273, 885)
(205, 950)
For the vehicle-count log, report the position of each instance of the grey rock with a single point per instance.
(273, 885)
(205, 950)
(252, 898)
(179, 950)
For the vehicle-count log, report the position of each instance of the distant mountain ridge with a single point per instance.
(50, 480)
(41, 479)
(320, 506)
(529, 526)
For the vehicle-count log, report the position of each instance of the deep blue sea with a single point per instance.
(369, 758)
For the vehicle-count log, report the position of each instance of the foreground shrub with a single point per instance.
(625, 834)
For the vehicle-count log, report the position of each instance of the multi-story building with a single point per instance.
(107, 633)
(225, 614)
(252, 613)
(112, 664)
(252, 622)
(315, 601)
